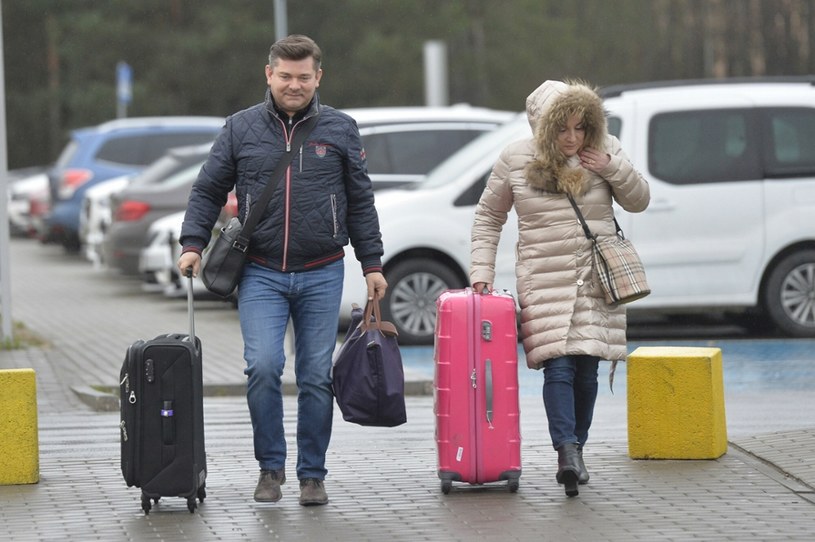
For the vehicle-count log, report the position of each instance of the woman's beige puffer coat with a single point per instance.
(563, 311)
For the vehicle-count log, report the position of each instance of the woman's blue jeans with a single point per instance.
(266, 300)
(569, 394)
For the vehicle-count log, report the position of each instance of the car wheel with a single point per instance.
(790, 294)
(410, 302)
(71, 243)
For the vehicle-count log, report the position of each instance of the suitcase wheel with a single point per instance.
(191, 504)
(512, 485)
(202, 493)
(145, 504)
(446, 486)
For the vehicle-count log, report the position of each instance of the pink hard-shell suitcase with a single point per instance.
(478, 434)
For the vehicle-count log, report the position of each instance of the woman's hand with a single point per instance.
(479, 287)
(594, 160)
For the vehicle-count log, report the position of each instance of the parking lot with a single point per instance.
(382, 482)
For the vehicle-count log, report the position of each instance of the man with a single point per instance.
(294, 267)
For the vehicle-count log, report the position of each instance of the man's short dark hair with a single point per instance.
(295, 47)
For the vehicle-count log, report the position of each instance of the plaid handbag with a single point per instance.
(618, 266)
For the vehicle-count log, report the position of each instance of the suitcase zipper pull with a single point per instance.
(126, 383)
(474, 379)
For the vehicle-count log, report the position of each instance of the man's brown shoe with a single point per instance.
(268, 489)
(312, 492)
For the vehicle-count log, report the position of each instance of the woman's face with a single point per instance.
(570, 137)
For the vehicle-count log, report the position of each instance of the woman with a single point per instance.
(566, 325)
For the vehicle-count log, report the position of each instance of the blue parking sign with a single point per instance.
(124, 83)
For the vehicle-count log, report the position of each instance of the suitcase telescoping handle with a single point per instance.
(188, 272)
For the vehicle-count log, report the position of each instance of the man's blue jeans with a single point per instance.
(266, 300)
(569, 394)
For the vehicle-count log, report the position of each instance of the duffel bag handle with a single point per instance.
(372, 309)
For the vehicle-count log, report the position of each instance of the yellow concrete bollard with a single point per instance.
(676, 403)
(19, 443)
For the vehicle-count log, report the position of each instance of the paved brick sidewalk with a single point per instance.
(382, 482)
(382, 486)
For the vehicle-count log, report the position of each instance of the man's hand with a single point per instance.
(187, 260)
(377, 285)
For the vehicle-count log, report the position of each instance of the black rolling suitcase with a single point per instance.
(162, 417)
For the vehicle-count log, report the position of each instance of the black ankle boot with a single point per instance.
(568, 468)
(583, 475)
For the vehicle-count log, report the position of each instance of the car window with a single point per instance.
(156, 146)
(488, 144)
(144, 149)
(185, 176)
(791, 149)
(705, 146)
(473, 193)
(158, 171)
(67, 154)
(413, 152)
(377, 153)
(123, 149)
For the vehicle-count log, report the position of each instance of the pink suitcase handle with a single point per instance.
(488, 386)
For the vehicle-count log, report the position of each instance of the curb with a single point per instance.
(106, 398)
(99, 401)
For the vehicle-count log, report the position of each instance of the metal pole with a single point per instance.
(435, 73)
(281, 31)
(280, 19)
(5, 266)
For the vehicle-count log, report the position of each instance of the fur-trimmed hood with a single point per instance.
(548, 108)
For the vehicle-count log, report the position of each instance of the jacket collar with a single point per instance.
(311, 109)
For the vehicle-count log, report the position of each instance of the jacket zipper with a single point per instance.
(286, 209)
(334, 214)
(289, 134)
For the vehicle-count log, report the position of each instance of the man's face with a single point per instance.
(293, 83)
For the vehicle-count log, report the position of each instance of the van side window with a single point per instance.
(709, 146)
(791, 146)
(615, 125)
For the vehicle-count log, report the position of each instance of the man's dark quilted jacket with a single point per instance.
(324, 199)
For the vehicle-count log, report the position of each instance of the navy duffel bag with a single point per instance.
(368, 378)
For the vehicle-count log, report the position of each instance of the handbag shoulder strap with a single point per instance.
(583, 223)
(298, 137)
(582, 220)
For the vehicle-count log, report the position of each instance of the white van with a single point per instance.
(730, 228)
